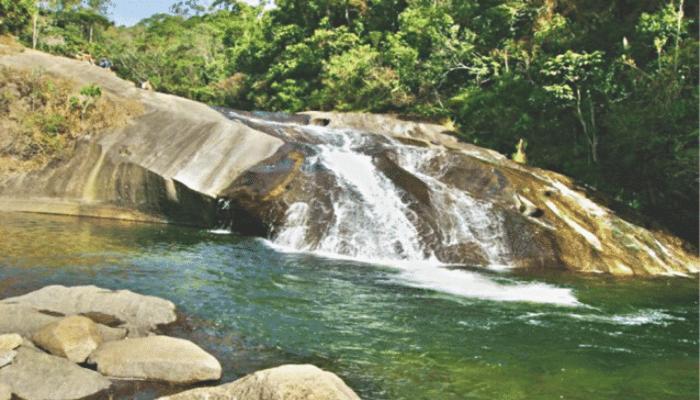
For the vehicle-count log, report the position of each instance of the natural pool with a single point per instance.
(388, 333)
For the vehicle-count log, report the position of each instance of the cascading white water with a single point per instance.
(373, 224)
(461, 218)
(370, 219)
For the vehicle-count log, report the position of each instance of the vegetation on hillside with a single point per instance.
(603, 91)
(41, 117)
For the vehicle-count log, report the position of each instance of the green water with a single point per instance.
(254, 307)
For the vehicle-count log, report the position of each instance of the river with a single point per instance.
(390, 331)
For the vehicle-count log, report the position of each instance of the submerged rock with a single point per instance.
(287, 382)
(73, 337)
(160, 358)
(141, 314)
(34, 375)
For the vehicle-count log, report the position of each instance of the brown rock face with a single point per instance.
(73, 337)
(288, 382)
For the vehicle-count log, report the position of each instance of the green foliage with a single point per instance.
(91, 91)
(15, 15)
(604, 91)
(43, 116)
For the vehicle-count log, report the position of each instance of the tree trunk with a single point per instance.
(593, 130)
(582, 120)
(90, 39)
(35, 33)
(679, 23)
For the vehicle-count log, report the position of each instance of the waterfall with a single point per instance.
(372, 222)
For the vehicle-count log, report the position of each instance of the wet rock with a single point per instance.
(288, 382)
(34, 375)
(141, 314)
(10, 341)
(73, 337)
(6, 357)
(159, 358)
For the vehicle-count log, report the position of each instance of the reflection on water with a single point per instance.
(255, 307)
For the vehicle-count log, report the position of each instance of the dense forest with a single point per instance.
(605, 91)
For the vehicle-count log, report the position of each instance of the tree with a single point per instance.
(577, 81)
(15, 14)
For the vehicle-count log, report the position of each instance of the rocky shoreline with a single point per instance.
(69, 343)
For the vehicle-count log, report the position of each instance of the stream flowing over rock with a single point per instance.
(370, 187)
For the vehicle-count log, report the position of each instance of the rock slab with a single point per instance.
(34, 375)
(73, 337)
(161, 358)
(140, 314)
(26, 320)
(287, 382)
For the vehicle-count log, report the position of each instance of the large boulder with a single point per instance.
(160, 358)
(288, 382)
(22, 319)
(26, 320)
(73, 337)
(35, 375)
(140, 314)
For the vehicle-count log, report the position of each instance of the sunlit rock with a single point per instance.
(288, 382)
(34, 375)
(160, 358)
(140, 314)
(73, 337)
(10, 341)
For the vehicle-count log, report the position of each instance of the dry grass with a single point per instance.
(9, 45)
(42, 116)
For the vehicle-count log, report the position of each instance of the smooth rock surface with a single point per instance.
(10, 341)
(35, 375)
(160, 358)
(25, 320)
(73, 337)
(22, 319)
(6, 357)
(141, 314)
(5, 392)
(167, 165)
(287, 382)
